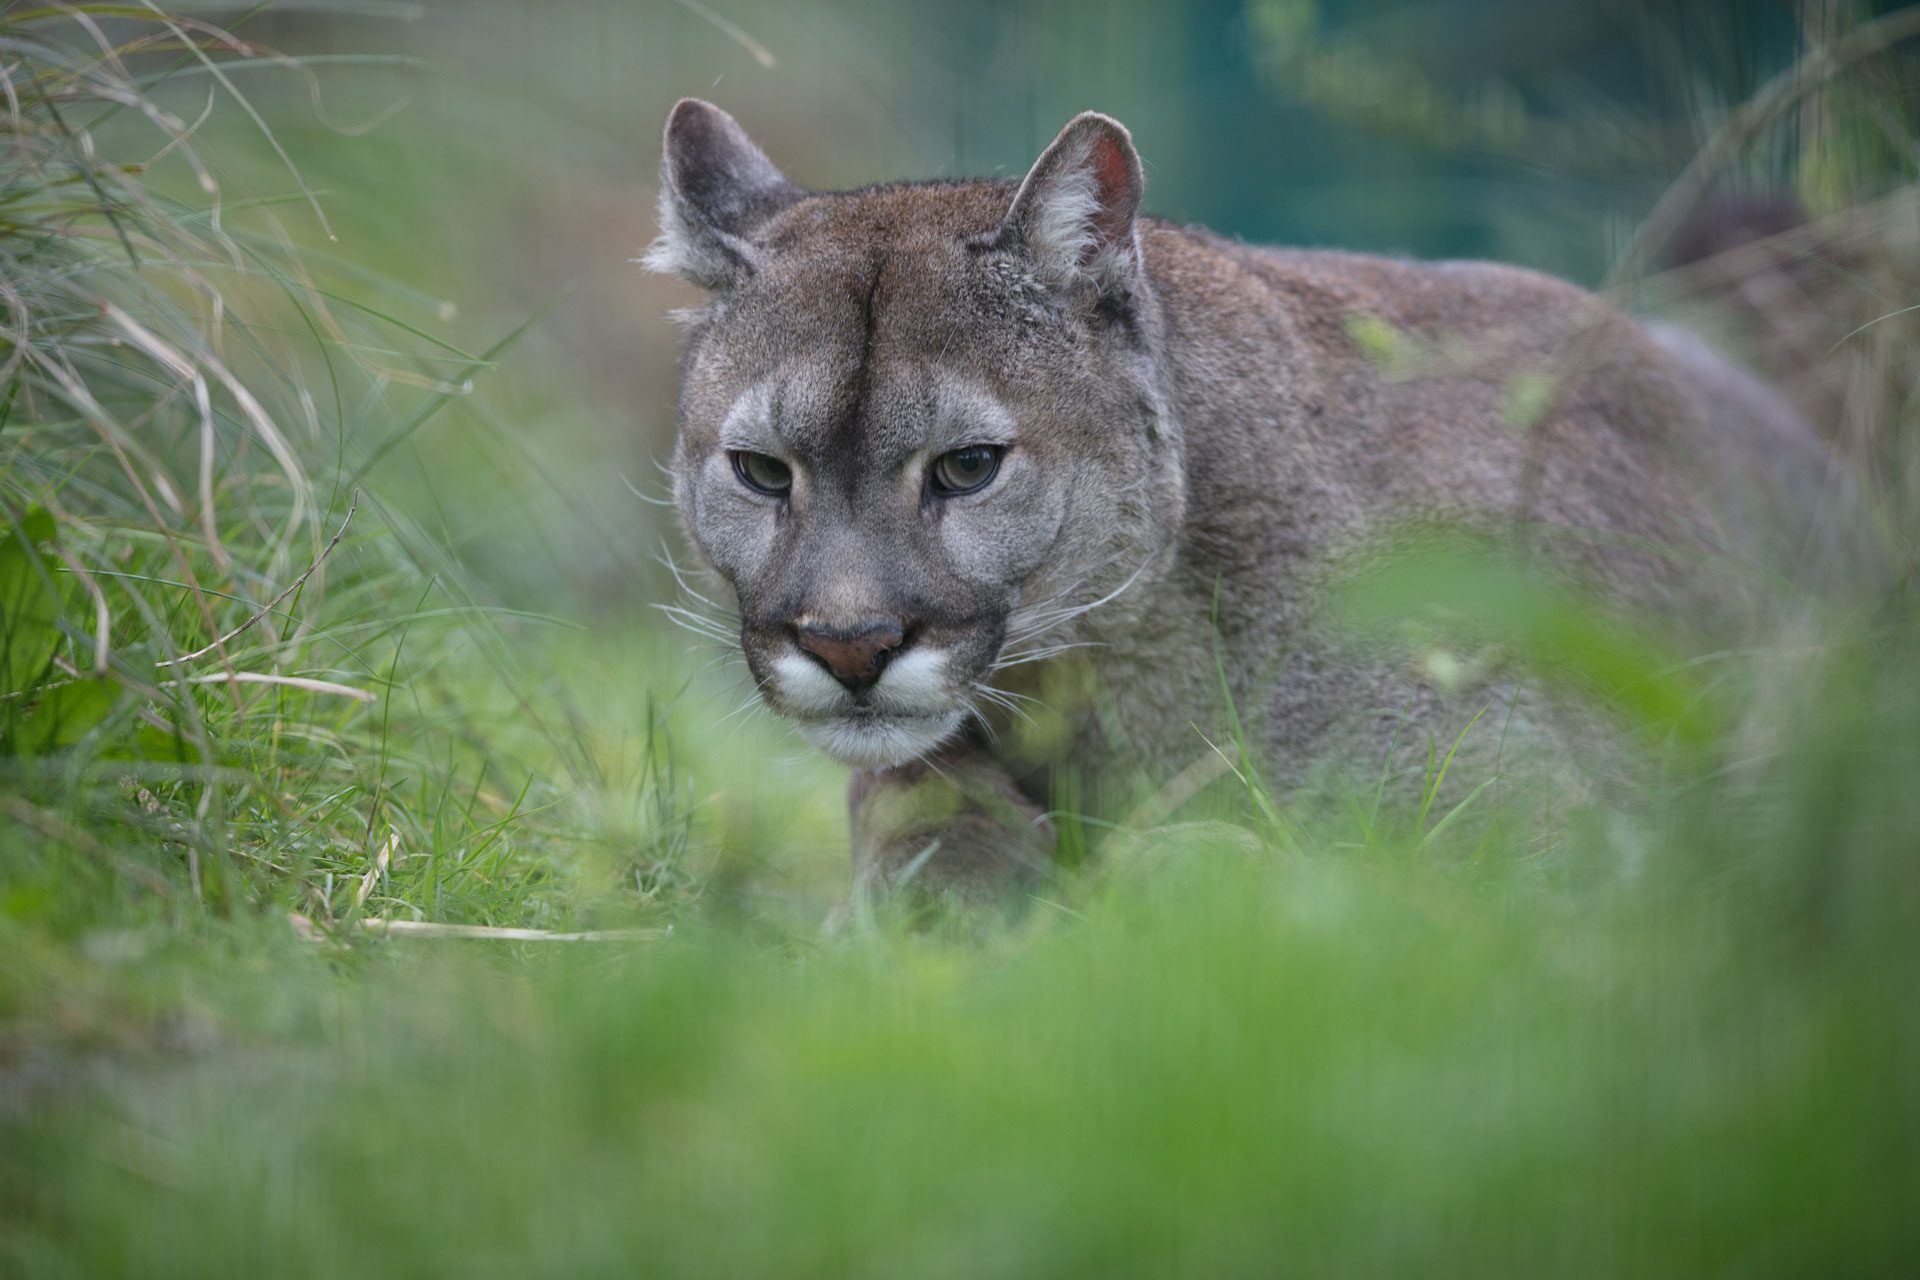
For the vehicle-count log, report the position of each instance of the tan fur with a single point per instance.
(1202, 433)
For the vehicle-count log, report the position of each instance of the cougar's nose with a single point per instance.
(855, 655)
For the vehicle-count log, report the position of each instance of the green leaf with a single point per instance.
(61, 716)
(29, 606)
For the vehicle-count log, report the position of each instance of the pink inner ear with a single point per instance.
(1112, 176)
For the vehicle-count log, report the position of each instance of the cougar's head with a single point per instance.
(919, 425)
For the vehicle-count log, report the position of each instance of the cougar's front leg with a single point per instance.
(953, 825)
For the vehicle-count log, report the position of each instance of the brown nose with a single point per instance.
(856, 655)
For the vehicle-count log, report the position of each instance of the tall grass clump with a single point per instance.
(233, 678)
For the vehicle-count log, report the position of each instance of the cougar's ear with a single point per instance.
(1074, 214)
(716, 187)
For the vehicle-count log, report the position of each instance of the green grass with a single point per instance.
(1212, 1064)
(1487, 1032)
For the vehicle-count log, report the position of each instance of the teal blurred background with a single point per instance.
(500, 157)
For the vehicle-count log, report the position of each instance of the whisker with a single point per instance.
(665, 556)
(1041, 654)
(974, 713)
(647, 498)
(1040, 622)
(1111, 596)
(1015, 695)
(742, 709)
(698, 624)
(719, 618)
(1028, 620)
(997, 698)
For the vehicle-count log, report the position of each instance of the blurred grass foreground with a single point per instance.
(324, 405)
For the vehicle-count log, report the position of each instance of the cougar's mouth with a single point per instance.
(908, 712)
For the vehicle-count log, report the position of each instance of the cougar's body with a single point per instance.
(1183, 440)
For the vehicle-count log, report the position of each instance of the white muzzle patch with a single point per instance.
(909, 711)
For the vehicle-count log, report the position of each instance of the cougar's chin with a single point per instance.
(908, 713)
(875, 740)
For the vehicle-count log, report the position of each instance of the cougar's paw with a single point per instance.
(948, 829)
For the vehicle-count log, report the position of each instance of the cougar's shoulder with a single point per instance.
(1323, 392)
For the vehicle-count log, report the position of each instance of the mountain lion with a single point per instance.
(1026, 500)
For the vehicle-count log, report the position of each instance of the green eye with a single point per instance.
(763, 473)
(965, 470)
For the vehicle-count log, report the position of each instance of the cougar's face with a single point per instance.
(908, 439)
(883, 485)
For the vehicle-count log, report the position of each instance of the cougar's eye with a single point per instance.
(763, 473)
(965, 470)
